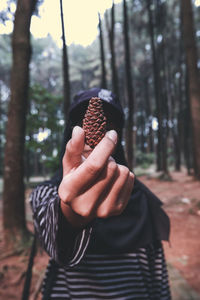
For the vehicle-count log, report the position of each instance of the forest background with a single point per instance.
(147, 52)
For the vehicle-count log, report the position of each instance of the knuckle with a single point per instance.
(68, 147)
(124, 170)
(103, 213)
(93, 167)
(84, 211)
(64, 195)
(64, 190)
(66, 155)
(112, 167)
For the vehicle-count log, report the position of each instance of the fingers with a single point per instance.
(91, 168)
(118, 196)
(74, 149)
(78, 176)
(85, 205)
(108, 196)
(97, 186)
(124, 195)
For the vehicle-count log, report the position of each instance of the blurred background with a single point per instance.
(148, 53)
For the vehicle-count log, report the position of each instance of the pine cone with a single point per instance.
(94, 122)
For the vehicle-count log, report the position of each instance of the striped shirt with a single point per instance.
(73, 273)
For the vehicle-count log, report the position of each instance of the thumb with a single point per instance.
(74, 148)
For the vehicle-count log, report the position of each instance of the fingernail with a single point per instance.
(112, 134)
(76, 130)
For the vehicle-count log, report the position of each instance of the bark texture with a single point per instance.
(111, 35)
(65, 67)
(156, 87)
(130, 91)
(14, 222)
(103, 69)
(193, 77)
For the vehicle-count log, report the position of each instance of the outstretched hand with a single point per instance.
(93, 184)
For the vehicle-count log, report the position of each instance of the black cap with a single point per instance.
(106, 96)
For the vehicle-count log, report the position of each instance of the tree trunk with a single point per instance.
(103, 69)
(188, 142)
(163, 80)
(130, 91)
(14, 222)
(156, 88)
(1, 133)
(194, 83)
(184, 118)
(148, 113)
(179, 135)
(65, 66)
(165, 109)
(111, 34)
(175, 130)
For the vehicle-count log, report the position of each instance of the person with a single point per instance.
(102, 228)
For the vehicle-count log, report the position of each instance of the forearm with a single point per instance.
(64, 242)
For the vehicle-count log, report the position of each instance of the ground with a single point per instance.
(181, 198)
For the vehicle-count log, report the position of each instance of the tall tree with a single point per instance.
(1, 132)
(148, 108)
(188, 150)
(66, 80)
(156, 85)
(111, 36)
(14, 222)
(193, 77)
(103, 69)
(130, 90)
(164, 97)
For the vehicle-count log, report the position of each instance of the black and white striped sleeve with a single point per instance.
(65, 244)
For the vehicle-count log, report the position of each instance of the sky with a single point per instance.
(80, 17)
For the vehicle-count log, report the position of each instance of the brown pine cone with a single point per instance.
(94, 122)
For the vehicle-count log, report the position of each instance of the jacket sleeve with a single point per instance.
(64, 243)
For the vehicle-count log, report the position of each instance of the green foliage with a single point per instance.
(5, 66)
(46, 107)
(46, 64)
(144, 160)
(52, 163)
(84, 66)
(45, 111)
(44, 128)
(170, 155)
(5, 58)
